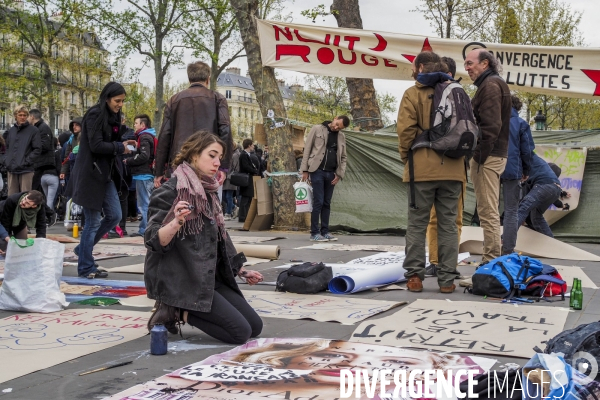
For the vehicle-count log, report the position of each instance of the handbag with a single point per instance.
(240, 179)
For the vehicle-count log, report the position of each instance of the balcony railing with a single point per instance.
(246, 99)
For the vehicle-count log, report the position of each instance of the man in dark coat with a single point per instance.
(46, 156)
(97, 178)
(492, 108)
(23, 146)
(189, 111)
(248, 165)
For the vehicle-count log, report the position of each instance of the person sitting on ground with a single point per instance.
(191, 262)
(544, 190)
(21, 212)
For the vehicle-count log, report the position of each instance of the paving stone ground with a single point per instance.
(63, 381)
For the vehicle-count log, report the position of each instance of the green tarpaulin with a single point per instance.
(372, 197)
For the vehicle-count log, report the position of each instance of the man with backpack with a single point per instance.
(142, 166)
(435, 177)
(492, 108)
(448, 67)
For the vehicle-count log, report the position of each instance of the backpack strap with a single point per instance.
(511, 281)
(411, 174)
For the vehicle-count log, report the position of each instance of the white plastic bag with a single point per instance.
(32, 273)
(304, 196)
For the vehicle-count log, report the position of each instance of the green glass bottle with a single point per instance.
(572, 294)
(578, 299)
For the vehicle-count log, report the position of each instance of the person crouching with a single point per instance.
(191, 263)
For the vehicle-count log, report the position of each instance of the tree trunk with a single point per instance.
(269, 97)
(160, 91)
(363, 101)
(50, 93)
(214, 65)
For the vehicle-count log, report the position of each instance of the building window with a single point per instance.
(72, 54)
(228, 94)
(245, 113)
(55, 51)
(56, 120)
(73, 98)
(239, 111)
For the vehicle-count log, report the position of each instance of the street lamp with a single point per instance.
(540, 121)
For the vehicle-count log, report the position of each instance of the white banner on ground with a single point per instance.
(357, 53)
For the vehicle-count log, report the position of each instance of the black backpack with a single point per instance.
(453, 131)
(573, 343)
(304, 278)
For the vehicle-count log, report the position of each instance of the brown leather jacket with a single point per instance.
(193, 109)
(492, 107)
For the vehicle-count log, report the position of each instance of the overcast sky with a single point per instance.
(392, 16)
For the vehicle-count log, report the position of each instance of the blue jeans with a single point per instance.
(228, 194)
(96, 227)
(537, 201)
(322, 193)
(144, 190)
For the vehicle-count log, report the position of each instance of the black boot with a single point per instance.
(166, 315)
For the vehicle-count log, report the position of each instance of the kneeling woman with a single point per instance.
(191, 264)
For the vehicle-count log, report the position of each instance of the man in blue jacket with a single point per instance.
(544, 190)
(518, 165)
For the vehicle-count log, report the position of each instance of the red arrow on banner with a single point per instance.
(426, 47)
(594, 75)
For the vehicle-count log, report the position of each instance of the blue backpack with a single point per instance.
(505, 276)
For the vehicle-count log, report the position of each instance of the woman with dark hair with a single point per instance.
(191, 263)
(97, 177)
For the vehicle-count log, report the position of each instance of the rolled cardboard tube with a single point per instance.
(259, 250)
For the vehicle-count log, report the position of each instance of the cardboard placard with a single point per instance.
(489, 327)
(260, 136)
(264, 196)
(298, 137)
(343, 309)
(37, 341)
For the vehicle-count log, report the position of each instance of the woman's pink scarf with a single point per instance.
(195, 190)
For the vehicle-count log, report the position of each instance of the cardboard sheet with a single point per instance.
(114, 249)
(352, 247)
(255, 260)
(32, 342)
(569, 273)
(124, 240)
(343, 309)
(485, 327)
(254, 239)
(129, 269)
(137, 301)
(293, 368)
(268, 251)
(530, 243)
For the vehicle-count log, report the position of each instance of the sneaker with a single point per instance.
(227, 217)
(318, 238)
(113, 235)
(431, 270)
(136, 234)
(234, 214)
(97, 274)
(330, 237)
